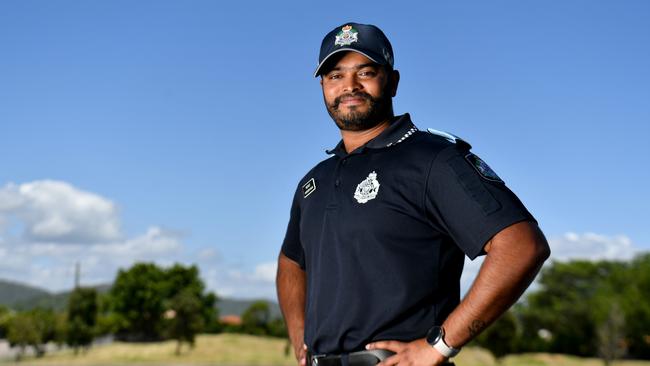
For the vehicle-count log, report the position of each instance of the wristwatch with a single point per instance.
(436, 338)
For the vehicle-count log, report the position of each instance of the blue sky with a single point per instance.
(189, 123)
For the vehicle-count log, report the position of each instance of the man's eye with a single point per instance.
(334, 76)
(367, 73)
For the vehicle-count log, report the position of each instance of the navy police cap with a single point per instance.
(365, 39)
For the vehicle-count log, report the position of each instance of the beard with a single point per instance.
(379, 110)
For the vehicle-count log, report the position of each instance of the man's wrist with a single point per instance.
(436, 339)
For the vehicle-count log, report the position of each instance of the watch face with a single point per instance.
(434, 335)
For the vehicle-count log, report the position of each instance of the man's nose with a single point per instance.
(351, 84)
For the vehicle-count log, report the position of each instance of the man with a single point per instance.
(370, 266)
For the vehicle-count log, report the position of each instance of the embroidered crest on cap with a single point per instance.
(367, 189)
(482, 168)
(308, 188)
(346, 36)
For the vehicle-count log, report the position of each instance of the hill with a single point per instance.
(24, 297)
(238, 306)
(12, 293)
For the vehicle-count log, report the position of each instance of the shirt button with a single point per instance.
(337, 183)
(344, 161)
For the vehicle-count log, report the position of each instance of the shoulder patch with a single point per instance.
(482, 168)
(308, 188)
(449, 137)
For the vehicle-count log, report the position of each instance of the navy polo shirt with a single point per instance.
(382, 233)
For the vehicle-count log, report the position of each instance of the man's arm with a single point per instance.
(514, 257)
(291, 284)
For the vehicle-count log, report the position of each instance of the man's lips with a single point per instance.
(352, 100)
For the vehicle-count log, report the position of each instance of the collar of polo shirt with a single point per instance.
(400, 129)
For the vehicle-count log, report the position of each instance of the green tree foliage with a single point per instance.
(137, 298)
(589, 309)
(563, 306)
(5, 316)
(611, 336)
(32, 328)
(501, 338)
(81, 317)
(256, 318)
(108, 322)
(277, 328)
(185, 318)
(181, 279)
(636, 307)
(142, 294)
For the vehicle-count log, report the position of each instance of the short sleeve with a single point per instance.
(467, 200)
(291, 246)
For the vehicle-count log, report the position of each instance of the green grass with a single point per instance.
(246, 350)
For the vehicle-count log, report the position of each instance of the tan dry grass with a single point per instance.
(246, 350)
(222, 349)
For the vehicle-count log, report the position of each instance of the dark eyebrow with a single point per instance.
(356, 67)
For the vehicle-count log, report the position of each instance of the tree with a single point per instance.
(562, 306)
(137, 298)
(82, 317)
(185, 318)
(23, 332)
(501, 337)
(277, 328)
(32, 328)
(635, 304)
(611, 335)
(142, 294)
(590, 309)
(5, 316)
(180, 278)
(256, 318)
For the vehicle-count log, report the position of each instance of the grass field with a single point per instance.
(245, 350)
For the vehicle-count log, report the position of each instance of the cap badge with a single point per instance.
(346, 36)
(367, 189)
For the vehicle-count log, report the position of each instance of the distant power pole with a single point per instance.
(77, 271)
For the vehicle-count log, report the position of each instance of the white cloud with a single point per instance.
(571, 246)
(266, 272)
(258, 282)
(51, 265)
(592, 246)
(54, 211)
(47, 226)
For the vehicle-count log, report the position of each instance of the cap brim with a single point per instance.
(373, 59)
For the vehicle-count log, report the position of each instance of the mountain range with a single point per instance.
(19, 296)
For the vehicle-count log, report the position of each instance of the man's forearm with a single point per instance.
(514, 257)
(291, 284)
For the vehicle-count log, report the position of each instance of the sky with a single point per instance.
(177, 131)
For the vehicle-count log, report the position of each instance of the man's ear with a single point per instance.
(321, 81)
(393, 79)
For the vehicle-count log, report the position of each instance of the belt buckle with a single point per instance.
(314, 359)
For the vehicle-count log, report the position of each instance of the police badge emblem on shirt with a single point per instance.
(367, 189)
(482, 168)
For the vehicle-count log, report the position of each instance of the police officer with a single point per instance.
(369, 270)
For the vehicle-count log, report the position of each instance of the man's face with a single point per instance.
(358, 92)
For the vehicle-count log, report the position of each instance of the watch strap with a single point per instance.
(444, 349)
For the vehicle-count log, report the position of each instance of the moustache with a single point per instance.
(363, 95)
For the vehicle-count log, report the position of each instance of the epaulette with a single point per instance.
(451, 138)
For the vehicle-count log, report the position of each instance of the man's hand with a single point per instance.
(291, 284)
(416, 353)
(301, 354)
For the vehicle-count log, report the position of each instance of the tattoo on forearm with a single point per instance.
(476, 327)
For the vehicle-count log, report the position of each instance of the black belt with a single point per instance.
(360, 358)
